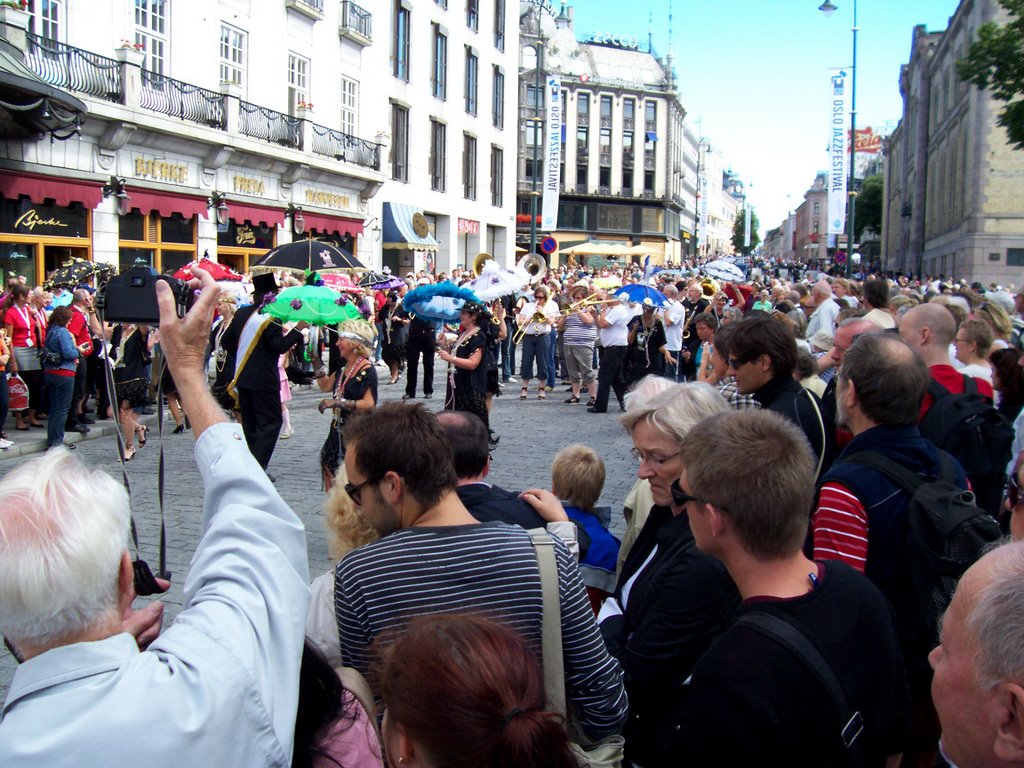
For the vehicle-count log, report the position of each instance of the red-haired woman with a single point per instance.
(460, 692)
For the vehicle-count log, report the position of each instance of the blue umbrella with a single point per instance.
(641, 294)
(443, 301)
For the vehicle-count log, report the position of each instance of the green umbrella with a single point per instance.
(316, 304)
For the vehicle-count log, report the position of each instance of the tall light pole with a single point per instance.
(828, 8)
(538, 113)
(702, 147)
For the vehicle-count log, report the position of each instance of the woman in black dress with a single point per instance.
(353, 387)
(393, 324)
(133, 347)
(223, 359)
(467, 365)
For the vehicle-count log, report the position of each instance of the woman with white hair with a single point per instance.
(671, 600)
(353, 387)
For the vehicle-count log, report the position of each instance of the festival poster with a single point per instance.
(552, 153)
(838, 150)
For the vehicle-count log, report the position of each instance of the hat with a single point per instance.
(648, 305)
(263, 284)
(1002, 298)
(423, 281)
(822, 340)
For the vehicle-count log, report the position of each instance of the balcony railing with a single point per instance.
(68, 67)
(182, 100)
(356, 22)
(343, 146)
(270, 125)
(312, 8)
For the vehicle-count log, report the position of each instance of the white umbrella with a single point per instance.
(495, 282)
(723, 270)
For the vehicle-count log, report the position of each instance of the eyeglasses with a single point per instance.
(355, 492)
(540, 298)
(679, 496)
(651, 458)
(734, 363)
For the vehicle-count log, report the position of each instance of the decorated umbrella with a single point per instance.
(316, 304)
(607, 282)
(218, 271)
(723, 270)
(307, 256)
(642, 294)
(379, 281)
(77, 272)
(339, 281)
(495, 282)
(443, 301)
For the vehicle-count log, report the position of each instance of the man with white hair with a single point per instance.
(978, 685)
(826, 309)
(220, 687)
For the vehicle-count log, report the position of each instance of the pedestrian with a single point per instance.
(535, 320)
(59, 372)
(579, 327)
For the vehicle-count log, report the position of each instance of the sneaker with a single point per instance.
(285, 434)
(512, 380)
(5, 444)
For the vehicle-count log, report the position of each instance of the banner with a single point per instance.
(702, 228)
(838, 151)
(746, 228)
(552, 153)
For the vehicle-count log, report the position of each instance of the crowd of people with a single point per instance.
(821, 562)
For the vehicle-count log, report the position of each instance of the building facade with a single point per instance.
(811, 224)
(953, 203)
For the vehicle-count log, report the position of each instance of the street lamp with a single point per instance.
(703, 146)
(828, 8)
(537, 121)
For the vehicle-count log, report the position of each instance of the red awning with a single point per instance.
(166, 203)
(342, 224)
(40, 188)
(255, 214)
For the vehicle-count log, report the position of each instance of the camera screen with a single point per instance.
(137, 281)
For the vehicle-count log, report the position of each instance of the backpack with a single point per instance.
(969, 428)
(946, 533)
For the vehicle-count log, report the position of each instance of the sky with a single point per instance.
(753, 75)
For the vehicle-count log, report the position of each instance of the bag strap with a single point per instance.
(783, 632)
(909, 481)
(551, 627)
(353, 681)
(821, 425)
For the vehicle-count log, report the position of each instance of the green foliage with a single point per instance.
(737, 232)
(869, 206)
(995, 61)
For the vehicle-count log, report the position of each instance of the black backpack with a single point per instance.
(946, 533)
(970, 429)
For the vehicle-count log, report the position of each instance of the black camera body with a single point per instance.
(130, 297)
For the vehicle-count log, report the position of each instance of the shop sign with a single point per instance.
(160, 170)
(248, 185)
(233, 235)
(22, 217)
(325, 199)
(244, 235)
(468, 227)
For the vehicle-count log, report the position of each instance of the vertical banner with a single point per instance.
(838, 153)
(552, 153)
(746, 228)
(702, 229)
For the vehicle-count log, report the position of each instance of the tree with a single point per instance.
(737, 232)
(995, 61)
(869, 206)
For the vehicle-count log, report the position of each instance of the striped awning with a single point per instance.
(398, 230)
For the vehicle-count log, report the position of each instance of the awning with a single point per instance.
(342, 224)
(167, 203)
(62, 191)
(398, 230)
(255, 214)
(29, 106)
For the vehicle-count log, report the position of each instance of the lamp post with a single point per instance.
(828, 8)
(538, 106)
(702, 147)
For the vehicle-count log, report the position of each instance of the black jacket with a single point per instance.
(260, 372)
(788, 398)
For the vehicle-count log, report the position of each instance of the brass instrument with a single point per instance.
(478, 262)
(586, 303)
(538, 317)
(709, 287)
(534, 265)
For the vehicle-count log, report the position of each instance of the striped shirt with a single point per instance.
(840, 525)
(579, 334)
(488, 569)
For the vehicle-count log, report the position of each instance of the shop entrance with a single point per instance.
(55, 256)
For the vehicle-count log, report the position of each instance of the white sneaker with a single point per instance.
(5, 444)
(285, 434)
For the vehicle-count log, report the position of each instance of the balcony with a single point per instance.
(356, 23)
(628, 123)
(270, 125)
(605, 158)
(74, 69)
(314, 9)
(182, 100)
(344, 147)
(606, 121)
(648, 162)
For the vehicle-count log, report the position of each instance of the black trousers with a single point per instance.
(261, 422)
(415, 347)
(610, 376)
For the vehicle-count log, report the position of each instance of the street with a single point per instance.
(531, 433)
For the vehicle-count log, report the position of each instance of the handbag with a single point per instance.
(609, 751)
(17, 393)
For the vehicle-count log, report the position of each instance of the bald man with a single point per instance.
(826, 309)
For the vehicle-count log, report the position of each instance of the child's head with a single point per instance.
(577, 476)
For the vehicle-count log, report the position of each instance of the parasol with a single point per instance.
(605, 283)
(495, 282)
(379, 281)
(339, 281)
(642, 294)
(723, 270)
(217, 270)
(443, 301)
(307, 256)
(77, 272)
(316, 304)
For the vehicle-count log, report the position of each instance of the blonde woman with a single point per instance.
(353, 387)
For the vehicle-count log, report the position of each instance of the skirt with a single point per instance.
(28, 358)
(135, 392)
(333, 450)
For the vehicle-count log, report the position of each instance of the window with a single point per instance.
(439, 72)
(473, 14)
(650, 116)
(606, 111)
(498, 99)
(469, 166)
(605, 147)
(534, 133)
(529, 174)
(534, 99)
(582, 143)
(1015, 257)
(472, 80)
(499, 25)
(627, 181)
(298, 81)
(232, 55)
(817, 207)
(583, 109)
(349, 106)
(48, 20)
(497, 175)
(652, 220)
(438, 155)
(649, 181)
(628, 113)
(615, 217)
(165, 242)
(400, 42)
(627, 147)
(572, 216)
(399, 142)
(582, 171)
(151, 33)
(604, 178)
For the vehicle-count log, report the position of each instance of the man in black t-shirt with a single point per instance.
(747, 486)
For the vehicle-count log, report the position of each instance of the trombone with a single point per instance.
(589, 301)
(538, 317)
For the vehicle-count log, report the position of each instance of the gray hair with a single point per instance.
(60, 549)
(645, 389)
(677, 410)
(996, 619)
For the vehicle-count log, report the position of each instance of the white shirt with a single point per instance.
(525, 317)
(617, 335)
(823, 318)
(674, 316)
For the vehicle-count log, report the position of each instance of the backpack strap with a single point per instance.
(821, 425)
(903, 477)
(786, 634)
(970, 385)
(551, 622)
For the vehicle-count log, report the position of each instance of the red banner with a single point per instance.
(868, 142)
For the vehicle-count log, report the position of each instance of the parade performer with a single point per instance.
(467, 370)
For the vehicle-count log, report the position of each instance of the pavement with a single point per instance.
(531, 433)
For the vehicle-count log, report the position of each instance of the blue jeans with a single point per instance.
(59, 388)
(534, 348)
(552, 363)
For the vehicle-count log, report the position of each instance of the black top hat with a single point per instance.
(263, 284)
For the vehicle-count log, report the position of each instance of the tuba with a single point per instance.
(478, 262)
(534, 265)
(709, 287)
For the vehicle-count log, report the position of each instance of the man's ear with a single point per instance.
(125, 583)
(718, 522)
(849, 393)
(1009, 707)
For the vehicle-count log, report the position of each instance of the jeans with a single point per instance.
(534, 348)
(59, 388)
(551, 361)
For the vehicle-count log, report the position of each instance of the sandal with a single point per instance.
(141, 432)
(541, 395)
(129, 454)
(573, 399)
(524, 393)
(592, 402)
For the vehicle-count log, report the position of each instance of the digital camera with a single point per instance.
(130, 297)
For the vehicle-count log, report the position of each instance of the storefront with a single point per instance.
(248, 234)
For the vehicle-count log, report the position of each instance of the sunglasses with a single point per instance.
(355, 492)
(734, 363)
(679, 496)
(1013, 491)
